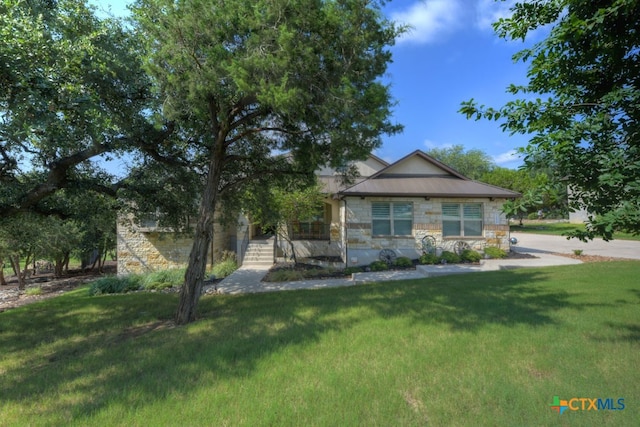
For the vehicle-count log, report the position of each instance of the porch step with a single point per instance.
(259, 253)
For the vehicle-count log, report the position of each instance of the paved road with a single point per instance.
(533, 243)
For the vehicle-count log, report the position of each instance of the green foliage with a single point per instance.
(224, 268)
(469, 255)
(378, 266)
(403, 261)
(584, 124)
(577, 252)
(244, 79)
(429, 259)
(449, 257)
(472, 163)
(33, 291)
(163, 279)
(350, 270)
(115, 285)
(495, 252)
(72, 88)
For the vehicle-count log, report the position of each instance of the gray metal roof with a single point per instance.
(426, 186)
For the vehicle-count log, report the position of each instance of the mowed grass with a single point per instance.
(478, 349)
(561, 228)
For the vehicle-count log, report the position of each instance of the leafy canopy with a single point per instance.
(244, 80)
(584, 120)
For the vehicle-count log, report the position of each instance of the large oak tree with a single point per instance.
(582, 103)
(72, 89)
(244, 80)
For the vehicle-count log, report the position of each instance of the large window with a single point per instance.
(461, 219)
(391, 219)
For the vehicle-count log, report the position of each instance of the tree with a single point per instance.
(472, 163)
(243, 80)
(587, 126)
(71, 89)
(22, 238)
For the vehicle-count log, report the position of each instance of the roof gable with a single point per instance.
(418, 164)
(420, 175)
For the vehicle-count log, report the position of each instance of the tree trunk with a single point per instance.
(3, 281)
(15, 264)
(196, 270)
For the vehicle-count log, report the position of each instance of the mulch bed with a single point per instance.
(12, 297)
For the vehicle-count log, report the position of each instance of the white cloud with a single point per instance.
(508, 157)
(489, 11)
(429, 20)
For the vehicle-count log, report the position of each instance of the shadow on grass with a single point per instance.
(123, 349)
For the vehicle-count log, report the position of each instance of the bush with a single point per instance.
(33, 291)
(429, 259)
(449, 258)
(224, 268)
(403, 261)
(469, 255)
(493, 252)
(163, 279)
(115, 285)
(351, 270)
(378, 266)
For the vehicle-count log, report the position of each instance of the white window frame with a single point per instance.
(392, 218)
(460, 217)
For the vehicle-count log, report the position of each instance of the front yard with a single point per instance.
(480, 349)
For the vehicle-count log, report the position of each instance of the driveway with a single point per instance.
(540, 243)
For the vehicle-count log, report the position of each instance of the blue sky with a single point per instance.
(450, 55)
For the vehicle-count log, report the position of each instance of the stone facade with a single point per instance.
(363, 248)
(144, 249)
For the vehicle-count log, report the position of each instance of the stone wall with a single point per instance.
(142, 250)
(362, 248)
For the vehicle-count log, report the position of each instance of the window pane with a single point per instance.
(402, 211)
(472, 228)
(450, 228)
(380, 210)
(402, 227)
(472, 211)
(450, 210)
(381, 227)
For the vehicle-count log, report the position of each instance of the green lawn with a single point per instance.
(559, 228)
(478, 349)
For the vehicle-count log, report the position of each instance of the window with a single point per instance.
(461, 219)
(391, 219)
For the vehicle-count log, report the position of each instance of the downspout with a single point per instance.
(346, 235)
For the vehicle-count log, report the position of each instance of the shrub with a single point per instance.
(351, 270)
(115, 285)
(403, 261)
(469, 255)
(163, 279)
(577, 252)
(494, 252)
(33, 291)
(448, 257)
(378, 266)
(224, 268)
(429, 259)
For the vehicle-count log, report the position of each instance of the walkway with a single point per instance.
(248, 279)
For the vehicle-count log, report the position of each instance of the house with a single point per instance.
(418, 198)
(390, 210)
